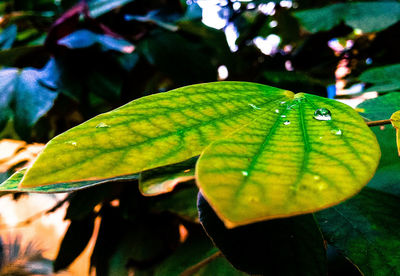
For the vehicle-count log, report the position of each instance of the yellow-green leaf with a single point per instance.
(287, 162)
(395, 119)
(150, 132)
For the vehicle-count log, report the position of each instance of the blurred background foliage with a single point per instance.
(65, 61)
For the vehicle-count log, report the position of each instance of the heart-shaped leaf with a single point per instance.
(151, 132)
(280, 153)
(308, 154)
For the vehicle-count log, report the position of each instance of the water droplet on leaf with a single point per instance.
(72, 143)
(283, 116)
(286, 122)
(317, 177)
(337, 132)
(282, 103)
(322, 114)
(102, 125)
(276, 110)
(245, 173)
(254, 106)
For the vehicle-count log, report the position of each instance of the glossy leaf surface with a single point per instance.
(366, 229)
(151, 132)
(287, 162)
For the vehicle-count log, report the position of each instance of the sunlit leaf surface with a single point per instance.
(307, 154)
(151, 132)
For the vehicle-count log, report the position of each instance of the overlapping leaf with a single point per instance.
(365, 230)
(287, 162)
(151, 132)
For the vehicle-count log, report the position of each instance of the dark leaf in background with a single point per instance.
(387, 176)
(100, 7)
(85, 38)
(22, 94)
(137, 244)
(367, 16)
(383, 79)
(291, 246)
(365, 229)
(380, 108)
(7, 37)
(74, 242)
(184, 61)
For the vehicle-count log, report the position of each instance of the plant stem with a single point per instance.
(378, 123)
(193, 269)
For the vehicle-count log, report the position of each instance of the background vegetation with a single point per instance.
(63, 62)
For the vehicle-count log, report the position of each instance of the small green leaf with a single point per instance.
(395, 119)
(151, 132)
(11, 184)
(384, 78)
(164, 179)
(308, 154)
(367, 16)
(181, 202)
(366, 230)
(380, 108)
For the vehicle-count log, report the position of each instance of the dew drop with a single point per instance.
(245, 173)
(276, 110)
(322, 114)
(320, 137)
(102, 125)
(322, 186)
(283, 116)
(317, 177)
(254, 106)
(282, 103)
(286, 122)
(337, 132)
(72, 143)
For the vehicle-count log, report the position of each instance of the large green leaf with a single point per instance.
(151, 132)
(286, 162)
(380, 108)
(384, 78)
(367, 16)
(366, 230)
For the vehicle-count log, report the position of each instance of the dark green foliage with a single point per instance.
(292, 246)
